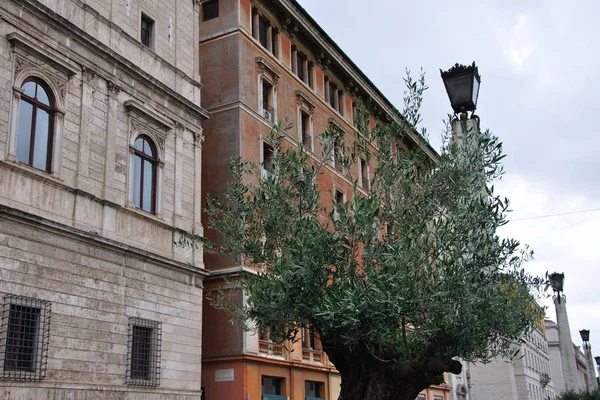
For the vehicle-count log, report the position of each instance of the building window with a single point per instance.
(272, 386)
(314, 390)
(339, 199)
(143, 350)
(210, 10)
(305, 130)
(355, 115)
(145, 162)
(337, 155)
(364, 173)
(268, 101)
(24, 336)
(333, 95)
(308, 338)
(147, 31)
(35, 126)
(268, 158)
(265, 33)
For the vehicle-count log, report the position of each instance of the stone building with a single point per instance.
(100, 157)
(264, 62)
(527, 377)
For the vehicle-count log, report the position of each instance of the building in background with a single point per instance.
(264, 62)
(100, 133)
(527, 377)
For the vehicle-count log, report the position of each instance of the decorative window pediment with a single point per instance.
(148, 122)
(305, 101)
(266, 68)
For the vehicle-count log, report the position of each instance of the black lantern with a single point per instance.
(462, 85)
(597, 358)
(557, 280)
(585, 335)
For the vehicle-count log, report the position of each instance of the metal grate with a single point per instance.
(24, 337)
(144, 343)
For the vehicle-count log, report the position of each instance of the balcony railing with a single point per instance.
(311, 355)
(268, 348)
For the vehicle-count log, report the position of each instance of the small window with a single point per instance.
(263, 26)
(355, 114)
(364, 174)
(210, 10)
(314, 390)
(272, 385)
(308, 338)
(305, 130)
(337, 155)
(35, 126)
(144, 345)
(339, 203)
(147, 31)
(24, 338)
(145, 162)
(301, 65)
(268, 159)
(267, 100)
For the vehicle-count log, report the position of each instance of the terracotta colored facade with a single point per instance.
(263, 62)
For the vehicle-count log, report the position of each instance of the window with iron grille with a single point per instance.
(143, 350)
(24, 336)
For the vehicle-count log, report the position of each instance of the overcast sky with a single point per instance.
(539, 61)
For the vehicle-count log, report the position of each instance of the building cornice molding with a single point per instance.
(18, 40)
(41, 223)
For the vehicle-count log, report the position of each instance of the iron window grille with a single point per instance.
(24, 337)
(143, 350)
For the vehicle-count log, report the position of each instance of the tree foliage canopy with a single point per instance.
(406, 275)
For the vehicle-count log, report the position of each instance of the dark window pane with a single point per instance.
(148, 187)
(300, 61)
(41, 144)
(262, 31)
(146, 33)
(137, 181)
(141, 352)
(21, 338)
(24, 132)
(210, 10)
(42, 96)
(29, 89)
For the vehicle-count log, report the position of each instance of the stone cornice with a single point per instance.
(132, 105)
(90, 238)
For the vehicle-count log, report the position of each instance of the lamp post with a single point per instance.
(565, 343)
(585, 337)
(462, 86)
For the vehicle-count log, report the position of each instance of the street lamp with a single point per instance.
(585, 335)
(557, 281)
(462, 85)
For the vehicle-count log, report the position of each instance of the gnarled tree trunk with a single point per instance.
(365, 377)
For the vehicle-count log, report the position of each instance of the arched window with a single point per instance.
(145, 161)
(35, 127)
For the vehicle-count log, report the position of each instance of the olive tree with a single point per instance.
(399, 282)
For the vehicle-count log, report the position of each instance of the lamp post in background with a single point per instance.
(585, 337)
(565, 343)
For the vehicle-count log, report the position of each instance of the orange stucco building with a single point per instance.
(262, 62)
